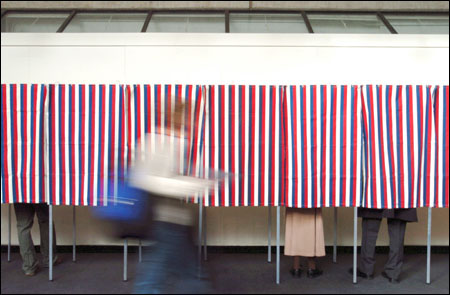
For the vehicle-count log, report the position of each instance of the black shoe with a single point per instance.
(296, 272)
(360, 274)
(314, 273)
(391, 280)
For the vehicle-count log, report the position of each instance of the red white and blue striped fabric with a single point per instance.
(323, 146)
(405, 146)
(150, 110)
(22, 143)
(243, 137)
(86, 143)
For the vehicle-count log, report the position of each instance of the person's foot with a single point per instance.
(314, 273)
(391, 280)
(56, 261)
(360, 274)
(296, 272)
(31, 272)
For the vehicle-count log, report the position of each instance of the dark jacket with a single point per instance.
(408, 215)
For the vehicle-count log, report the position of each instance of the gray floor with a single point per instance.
(231, 273)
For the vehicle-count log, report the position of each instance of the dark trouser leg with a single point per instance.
(394, 264)
(25, 216)
(370, 228)
(43, 219)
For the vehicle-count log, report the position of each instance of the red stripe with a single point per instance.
(113, 131)
(354, 151)
(344, 150)
(373, 153)
(233, 145)
(25, 146)
(53, 155)
(383, 160)
(252, 152)
(324, 146)
(295, 164)
(41, 136)
(72, 141)
(62, 127)
(262, 145)
(102, 147)
(92, 150)
(436, 125)
(411, 144)
(35, 115)
(83, 140)
(158, 109)
(285, 155)
(188, 125)
(272, 155)
(5, 146)
(333, 147)
(122, 131)
(138, 105)
(169, 109)
(129, 134)
(243, 144)
(149, 108)
(222, 142)
(391, 146)
(400, 125)
(305, 147)
(196, 131)
(212, 139)
(428, 143)
(364, 113)
(446, 150)
(204, 143)
(14, 124)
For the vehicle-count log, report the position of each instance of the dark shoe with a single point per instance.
(360, 274)
(296, 272)
(391, 280)
(314, 273)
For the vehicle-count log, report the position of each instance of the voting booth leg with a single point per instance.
(200, 221)
(140, 250)
(269, 246)
(278, 245)
(9, 232)
(125, 259)
(74, 250)
(335, 236)
(50, 242)
(429, 247)
(355, 248)
(205, 245)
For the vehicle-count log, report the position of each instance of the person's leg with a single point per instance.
(43, 219)
(25, 216)
(370, 228)
(311, 263)
(394, 264)
(296, 262)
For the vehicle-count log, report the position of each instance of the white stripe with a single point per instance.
(86, 146)
(318, 116)
(216, 142)
(441, 144)
(37, 172)
(28, 144)
(67, 144)
(337, 151)
(432, 155)
(226, 144)
(385, 150)
(247, 142)
(416, 140)
(77, 144)
(277, 139)
(328, 146)
(116, 139)
(236, 145)
(297, 91)
(404, 147)
(359, 146)
(376, 143)
(308, 143)
(56, 138)
(266, 145)
(18, 113)
(394, 142)
(47, 144)
(348, 143)
(97, 143)
(9, 143)
(257, 147)
(107, 103)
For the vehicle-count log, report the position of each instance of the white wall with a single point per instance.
(228, 59)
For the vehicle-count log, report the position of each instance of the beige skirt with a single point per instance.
(304, 233)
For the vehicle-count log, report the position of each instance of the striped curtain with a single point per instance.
(22, 143)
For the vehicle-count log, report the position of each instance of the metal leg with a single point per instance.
(50, 242)
(355, 238)
(125, 259)
(205, 245)
(269, 239)
(278, 245)
(335, 236)
(140, 250)
(200, 221)
(74, 250)
(429, 247)
(9, 232)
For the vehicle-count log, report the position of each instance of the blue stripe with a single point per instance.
(370, 110)
(332, 122)
(136, 116)
(419, 136)
(230, 135)
(211, 143)
(3, 143)
(261, 156)
(271, 140)
(313, 182)
(111, 145)
(119, 147)
(40, 143)
(146, 108)
(294, 164)
(188, 109)
(444, 172)
(380, 150)
(436, 180)
(61, 143)
(427, 114)
(80, 139)
(50, 137)
(389, 143)
(303, 127)
(280, 155)
(410, 181)
(341, 149)
(91, 144)
(353, 150)
(250, 145)
(22, 137)
(194, 131)
(323, 138)
(365, 137)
